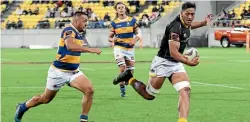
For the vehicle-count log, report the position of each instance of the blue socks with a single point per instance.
(122, 88)
(23, 108)
(84, 117)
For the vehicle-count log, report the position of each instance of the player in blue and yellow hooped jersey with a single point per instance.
(124, 34)
(65, 69)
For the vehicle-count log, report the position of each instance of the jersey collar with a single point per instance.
(182, 22)
(74, 27)
(123, 20)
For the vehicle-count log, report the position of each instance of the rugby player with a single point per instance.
(124, 34)
(169, 61)
(65, 69)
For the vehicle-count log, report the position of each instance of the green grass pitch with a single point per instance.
(220, 88)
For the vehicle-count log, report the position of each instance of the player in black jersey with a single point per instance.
(169, 61)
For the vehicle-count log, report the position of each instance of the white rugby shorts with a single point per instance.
(57, 78)
(122, 55)
(161, 67)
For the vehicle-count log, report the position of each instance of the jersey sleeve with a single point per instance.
(135, 23)
(175, 32)
(69, 33)
(112, 26)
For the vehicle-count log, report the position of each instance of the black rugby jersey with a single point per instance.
(176, 31)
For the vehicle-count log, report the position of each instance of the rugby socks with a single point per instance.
(131, 80)
(23, 108)
(84, 118)
(182, 120)
(122, 88)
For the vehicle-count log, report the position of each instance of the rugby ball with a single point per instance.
(191, 53)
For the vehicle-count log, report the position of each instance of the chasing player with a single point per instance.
(124, 34)
(169, 61)
(65, 69)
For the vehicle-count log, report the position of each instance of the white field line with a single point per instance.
(89, 69)
(47, 68)
(232, 86)
(195, 84)
(242, 61)
(218, 57)
(146, 53)
(217, 85)
(104, 53)
(95, 86)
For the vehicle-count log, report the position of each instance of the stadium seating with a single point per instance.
(239, 18)
(167, 8)
(3, 7)
(5, 4)
(30, 21)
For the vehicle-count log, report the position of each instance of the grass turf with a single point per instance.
(220, 88)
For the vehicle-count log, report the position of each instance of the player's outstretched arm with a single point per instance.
(195, 25)
(174, 47)
(72, 46)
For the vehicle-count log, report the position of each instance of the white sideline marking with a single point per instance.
(47, 68)
(198, 84)
(29, 87)
(88, 69)
(95, 86)
(218, 85)
(239, 61)
(217, 57)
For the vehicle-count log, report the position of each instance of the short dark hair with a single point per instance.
(118, 4)
(79, 13)
(187, 5)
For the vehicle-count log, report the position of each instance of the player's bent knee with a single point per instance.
(89, 91)
(151, 90)
(185, 92)
(122, 68)
(186, 89)
(183, 85)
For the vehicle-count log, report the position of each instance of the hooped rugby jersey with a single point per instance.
(65, 59)
(124, 30)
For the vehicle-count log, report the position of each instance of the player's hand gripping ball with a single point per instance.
(191, 53)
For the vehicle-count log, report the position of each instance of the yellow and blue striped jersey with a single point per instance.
(124, 31)
(65, 59)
